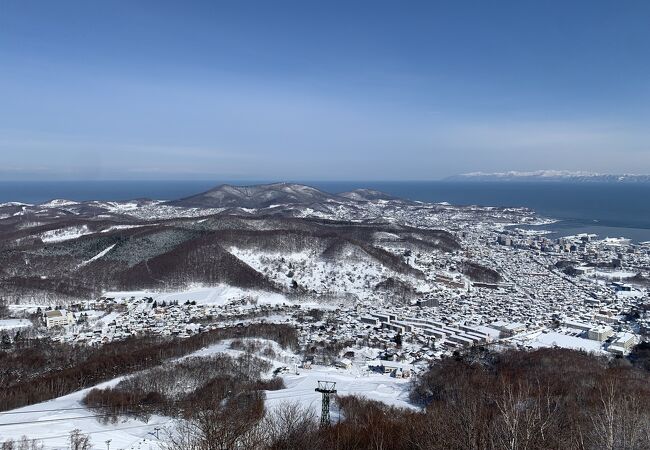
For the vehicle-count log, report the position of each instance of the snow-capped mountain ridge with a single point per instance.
(550, 175)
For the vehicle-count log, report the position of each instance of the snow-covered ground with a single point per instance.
(214, 295)
(220, 294)
(614, 274)
(357, 274)
(52, 421)
(65, 234)
(12, 324)
(357, 381)
(26, 308)
(56, 203)
(553, 339)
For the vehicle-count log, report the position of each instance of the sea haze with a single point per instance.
(607, 209)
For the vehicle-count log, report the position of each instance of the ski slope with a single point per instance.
(354, 381)
(52, 421)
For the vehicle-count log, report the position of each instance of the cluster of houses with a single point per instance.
(108, 319)
(535, 304)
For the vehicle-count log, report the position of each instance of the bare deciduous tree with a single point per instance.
(79, 441)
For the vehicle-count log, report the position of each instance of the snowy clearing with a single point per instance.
(12, 324)
(65, 234)
(203, 295)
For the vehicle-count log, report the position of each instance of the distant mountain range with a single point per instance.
(551, 175)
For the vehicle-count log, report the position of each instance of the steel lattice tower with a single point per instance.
(326, 388)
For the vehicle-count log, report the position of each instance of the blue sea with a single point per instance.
(605, 209)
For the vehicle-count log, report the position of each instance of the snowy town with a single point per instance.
(596, 304)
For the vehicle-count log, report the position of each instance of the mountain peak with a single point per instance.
(255, 196)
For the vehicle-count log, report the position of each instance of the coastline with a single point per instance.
(609, 210)
(567, 227)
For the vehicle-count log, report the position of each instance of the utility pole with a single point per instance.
(156, 430)
(326, 388)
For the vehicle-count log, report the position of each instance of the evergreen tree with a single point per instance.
(6, 341)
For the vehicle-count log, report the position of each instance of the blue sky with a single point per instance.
(373, 90)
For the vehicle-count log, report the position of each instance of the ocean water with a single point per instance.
(603, 208)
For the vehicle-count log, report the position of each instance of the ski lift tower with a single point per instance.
(326, 388)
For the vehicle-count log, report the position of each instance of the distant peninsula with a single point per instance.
(550, 176)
